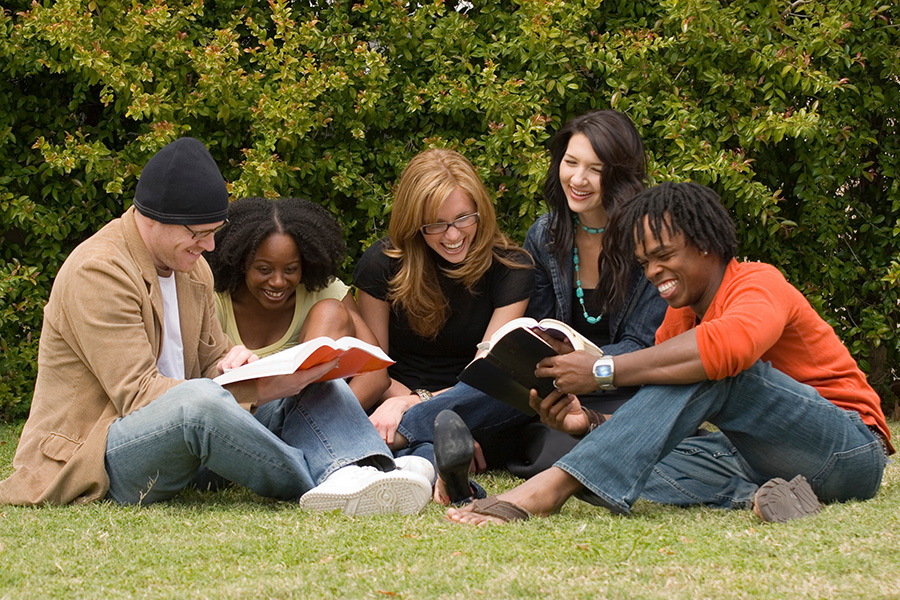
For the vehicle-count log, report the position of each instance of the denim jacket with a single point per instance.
(631, 328)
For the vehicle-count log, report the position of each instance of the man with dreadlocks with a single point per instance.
(740, 348)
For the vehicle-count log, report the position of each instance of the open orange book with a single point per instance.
(356, 356)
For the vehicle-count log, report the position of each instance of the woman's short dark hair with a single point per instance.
(316, 232)
(687, 208)
(618, 145)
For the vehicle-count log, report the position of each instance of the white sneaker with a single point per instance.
(367, 491)
(416, 464)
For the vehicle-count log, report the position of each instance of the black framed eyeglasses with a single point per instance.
(199, 235)
(460, 223)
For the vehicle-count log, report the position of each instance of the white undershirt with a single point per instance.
(171, 358)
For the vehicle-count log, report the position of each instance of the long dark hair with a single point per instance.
(618, 145)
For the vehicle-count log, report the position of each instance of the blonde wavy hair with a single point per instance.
(426, 182)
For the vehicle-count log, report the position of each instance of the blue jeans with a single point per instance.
(482, 414)
(500, 429)
(771, 426)
(289, 447)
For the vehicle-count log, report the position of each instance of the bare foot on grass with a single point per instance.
(542, 495)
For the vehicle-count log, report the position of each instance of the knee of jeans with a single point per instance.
(333, 392)
(417, 427)
(201, 399)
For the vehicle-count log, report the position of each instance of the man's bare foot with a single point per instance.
(542, 495)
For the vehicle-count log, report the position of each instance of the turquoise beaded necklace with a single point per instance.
(585, 227)
(579, 292)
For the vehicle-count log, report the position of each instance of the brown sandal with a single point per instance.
(501, 509)
(777, 500)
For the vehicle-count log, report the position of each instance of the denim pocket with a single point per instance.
(853, 474)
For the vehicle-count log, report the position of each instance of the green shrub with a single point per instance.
(785, 109)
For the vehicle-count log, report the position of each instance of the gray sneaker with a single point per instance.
(362, 491)
(778, 500)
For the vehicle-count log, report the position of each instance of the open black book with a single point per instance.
(506, 372)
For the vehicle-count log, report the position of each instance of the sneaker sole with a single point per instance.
(403, 494)
(778, 500)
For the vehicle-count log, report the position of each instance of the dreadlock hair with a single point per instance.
(687, 208)
(618, 145)
(317, 234)
(427, 181)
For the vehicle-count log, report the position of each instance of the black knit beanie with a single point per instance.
(182, 185)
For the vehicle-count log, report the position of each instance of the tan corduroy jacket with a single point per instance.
(100, 341)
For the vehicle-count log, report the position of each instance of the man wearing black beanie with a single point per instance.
(124, 405)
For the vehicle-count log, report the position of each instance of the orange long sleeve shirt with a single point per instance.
(757, 315)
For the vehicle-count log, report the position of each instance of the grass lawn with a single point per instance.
(233, 544)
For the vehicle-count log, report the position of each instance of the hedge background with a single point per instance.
(785, 108)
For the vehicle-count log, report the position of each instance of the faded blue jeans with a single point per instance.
(197, 427)
(771, 426)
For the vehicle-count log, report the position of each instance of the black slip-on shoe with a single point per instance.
(453, 452)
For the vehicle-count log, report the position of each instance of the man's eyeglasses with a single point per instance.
(460, 223)
(199, 235)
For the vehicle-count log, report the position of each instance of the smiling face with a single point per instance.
(172, 247)
(453, 245)
(580, 174)
(273, 273)
(683, 275)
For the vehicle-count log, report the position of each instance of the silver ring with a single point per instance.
(555, 385)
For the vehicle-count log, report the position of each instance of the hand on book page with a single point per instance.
(561, 344)
(354, 356)
(507, 371)
(549, 328)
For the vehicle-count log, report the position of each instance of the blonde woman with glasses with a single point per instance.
(443, 281)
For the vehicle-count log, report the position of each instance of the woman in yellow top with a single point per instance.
(275, 267)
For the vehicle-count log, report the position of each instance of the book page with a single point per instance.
(355, 356)
(578, 341)
(524, 322)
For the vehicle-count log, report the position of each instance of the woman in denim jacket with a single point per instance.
(632, 327)
(581, 275)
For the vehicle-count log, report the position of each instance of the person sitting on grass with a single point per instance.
(275, 268)
(124, 405)
(443, 281)
(581, 278)
(740, 348)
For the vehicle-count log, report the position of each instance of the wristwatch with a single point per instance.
(424, 395)
(604, 370)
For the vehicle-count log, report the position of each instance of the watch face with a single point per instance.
(602, 371)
